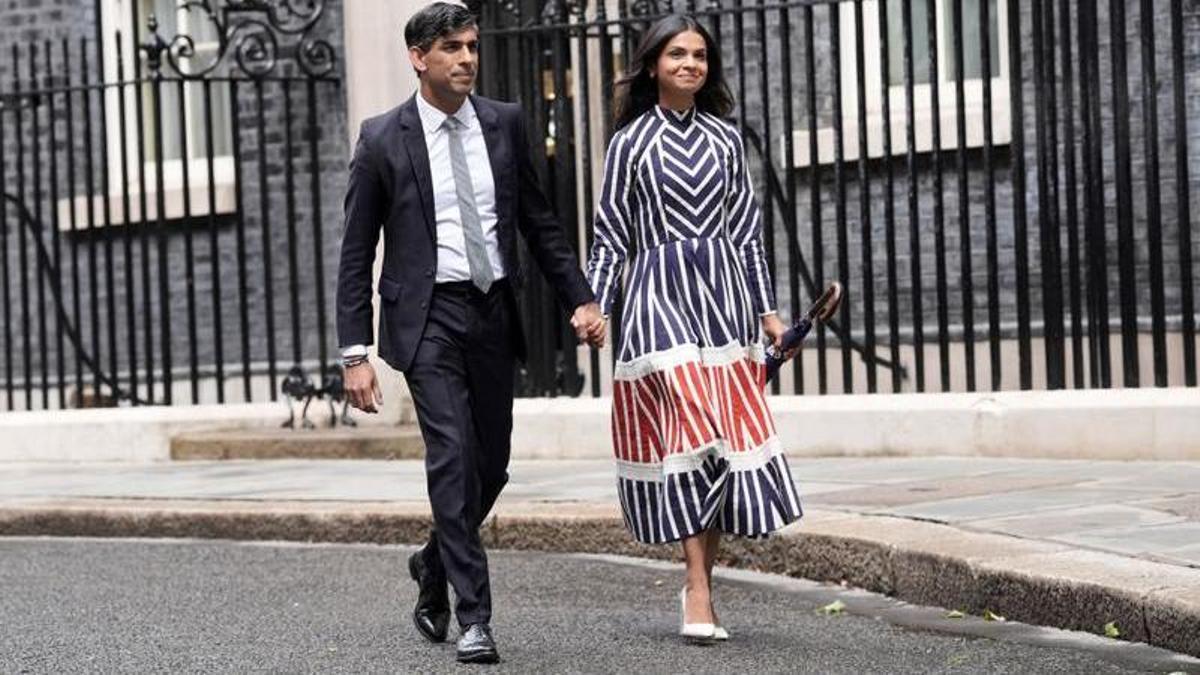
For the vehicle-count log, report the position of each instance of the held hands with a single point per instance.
(774, 329)
(362, 388)
(589, 324)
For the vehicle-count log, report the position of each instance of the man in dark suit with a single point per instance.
(448, 179)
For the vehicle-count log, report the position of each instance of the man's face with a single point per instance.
(451, 64)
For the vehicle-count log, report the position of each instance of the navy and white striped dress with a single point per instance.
(694, 440)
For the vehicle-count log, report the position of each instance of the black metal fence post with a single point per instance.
(1182, 199)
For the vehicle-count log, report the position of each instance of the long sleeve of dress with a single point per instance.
(613, 223)
(745, 227)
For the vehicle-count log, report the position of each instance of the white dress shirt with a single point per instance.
(452, 262)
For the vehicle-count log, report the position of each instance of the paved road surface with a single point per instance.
(191, 606)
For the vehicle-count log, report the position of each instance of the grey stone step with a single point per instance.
(402, 442)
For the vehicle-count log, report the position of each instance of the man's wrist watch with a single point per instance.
(351, 361)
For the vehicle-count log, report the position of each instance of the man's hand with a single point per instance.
(589, 324)
(362, 388)
(774, 328)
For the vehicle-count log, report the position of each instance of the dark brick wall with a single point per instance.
(289, 224)
(34, 20)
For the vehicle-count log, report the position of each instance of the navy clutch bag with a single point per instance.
(821, 310)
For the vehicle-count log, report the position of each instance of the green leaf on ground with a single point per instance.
(989, 615)
(835, 607)
(1111, 630)
(954, 614)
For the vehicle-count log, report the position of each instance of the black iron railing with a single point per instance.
(1003, 187)
(966, 168)
(146, 189)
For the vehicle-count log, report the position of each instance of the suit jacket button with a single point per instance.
(423, 304)
(428, 273)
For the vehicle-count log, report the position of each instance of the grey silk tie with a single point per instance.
(477, 257)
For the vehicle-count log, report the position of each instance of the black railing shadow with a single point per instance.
(775, 193)
(297, 386)
(50, 272)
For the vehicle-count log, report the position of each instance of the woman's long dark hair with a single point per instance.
(637, 92)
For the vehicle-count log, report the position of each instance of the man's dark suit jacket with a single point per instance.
(390, 188)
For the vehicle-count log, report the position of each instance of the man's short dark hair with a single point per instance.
(438, 20)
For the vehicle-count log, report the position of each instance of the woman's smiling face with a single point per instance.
(682, 67)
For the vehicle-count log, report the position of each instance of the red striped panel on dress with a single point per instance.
(689, 406)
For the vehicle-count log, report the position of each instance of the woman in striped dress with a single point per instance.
(695, 444)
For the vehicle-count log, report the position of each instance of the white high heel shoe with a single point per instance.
(695, 632)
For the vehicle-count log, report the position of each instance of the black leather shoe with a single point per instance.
(431, 616)
(477, 646)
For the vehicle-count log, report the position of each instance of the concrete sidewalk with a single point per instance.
(1074, 544)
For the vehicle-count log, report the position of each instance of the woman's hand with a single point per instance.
(774, 329)
(589, 324)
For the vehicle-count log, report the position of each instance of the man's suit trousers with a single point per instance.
(461, 381)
